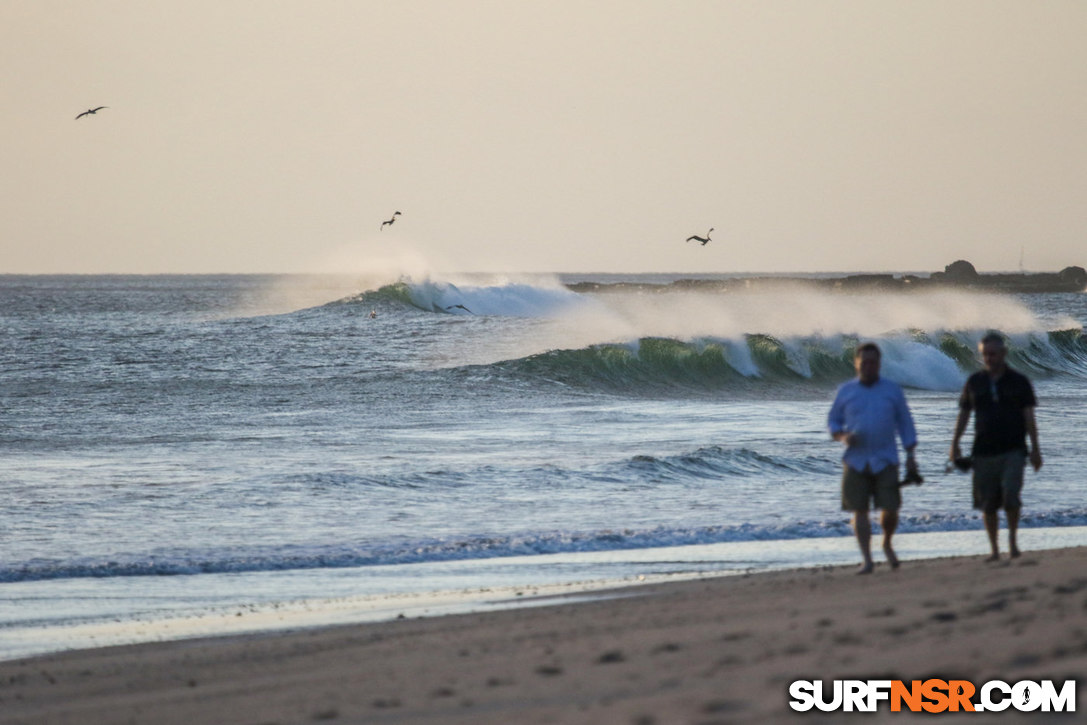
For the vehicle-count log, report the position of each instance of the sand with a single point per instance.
(715, 650)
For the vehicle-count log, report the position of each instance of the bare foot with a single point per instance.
(891, 558)
(1016, 553)
(865, 569)
(993, 557)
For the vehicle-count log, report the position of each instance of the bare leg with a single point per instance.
(862, 529)
(1013, 529)
(992, 526)
(888, 520)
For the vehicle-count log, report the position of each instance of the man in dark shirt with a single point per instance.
(1003, 403)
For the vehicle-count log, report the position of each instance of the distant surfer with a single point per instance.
(696, 238)
(90, 112)
(462, 307)
(390, 222)
(373, 314)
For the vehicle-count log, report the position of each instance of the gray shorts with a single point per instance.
(998, 481)
(860, 488)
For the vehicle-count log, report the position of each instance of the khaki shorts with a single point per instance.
(998, 480)
(860, 488)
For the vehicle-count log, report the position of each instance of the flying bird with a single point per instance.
(696, 238)
(450, 307)
(393, 219)
(90, 112)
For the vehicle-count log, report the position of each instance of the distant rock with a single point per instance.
(960, 271)
(1076, 276)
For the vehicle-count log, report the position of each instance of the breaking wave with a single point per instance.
(509, 299)
(679, 339)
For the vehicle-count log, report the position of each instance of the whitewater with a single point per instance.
(180, 448)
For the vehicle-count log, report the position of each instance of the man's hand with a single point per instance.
(1036, 458)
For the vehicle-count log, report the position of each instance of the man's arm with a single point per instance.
(960, 428)
(1032, 433)
(836, 420)
(911, 462)
(906, 430)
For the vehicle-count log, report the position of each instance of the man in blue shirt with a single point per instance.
(867, 414)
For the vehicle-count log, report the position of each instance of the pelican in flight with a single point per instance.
(696, 238)
(450, 307)
(393, 219)
(90, 112)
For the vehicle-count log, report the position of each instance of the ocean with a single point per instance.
(192, 454)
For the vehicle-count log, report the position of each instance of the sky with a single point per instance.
(542, 135)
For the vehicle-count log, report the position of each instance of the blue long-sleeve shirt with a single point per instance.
(874, 413)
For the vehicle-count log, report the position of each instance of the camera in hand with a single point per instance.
(913, 478)
(964, 463)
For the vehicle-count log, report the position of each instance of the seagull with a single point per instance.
(450, 307)
(696, 238)
(395, 215)
(90, 112)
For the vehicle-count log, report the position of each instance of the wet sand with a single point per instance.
(714, 650)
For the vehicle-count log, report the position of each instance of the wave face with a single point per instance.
(654, 364)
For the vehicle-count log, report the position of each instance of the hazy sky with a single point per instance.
(552, 135)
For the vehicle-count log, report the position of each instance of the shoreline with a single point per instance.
(712, 649)
(79, 614)
(709, 649)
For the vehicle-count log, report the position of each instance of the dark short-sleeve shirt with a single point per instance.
(998, 411)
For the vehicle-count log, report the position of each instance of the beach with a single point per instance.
(712, 650)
